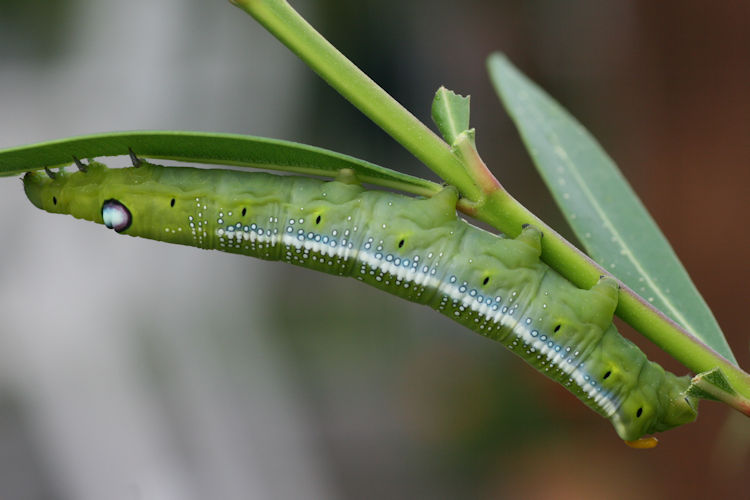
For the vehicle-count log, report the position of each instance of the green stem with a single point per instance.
(487, 200)
(278, 17)
(475, 166)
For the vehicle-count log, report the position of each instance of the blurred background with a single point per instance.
(131, 369)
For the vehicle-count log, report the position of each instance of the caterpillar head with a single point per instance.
(65, 192)
(657, 403)
(93, 193)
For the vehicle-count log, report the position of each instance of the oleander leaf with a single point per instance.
(601, 207)
(214, 148)
(450, 112)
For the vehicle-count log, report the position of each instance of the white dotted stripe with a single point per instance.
(558, 356)
(424, 276)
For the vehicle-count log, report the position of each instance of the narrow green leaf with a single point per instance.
(601, 207)
(717, 379)
(715, 386)
(450, 112)
(225, 149)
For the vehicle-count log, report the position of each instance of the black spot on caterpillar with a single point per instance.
(417, 249)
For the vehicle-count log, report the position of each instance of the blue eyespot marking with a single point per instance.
(116, 216)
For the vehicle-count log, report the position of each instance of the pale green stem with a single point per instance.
(287, 25)
(474, 164)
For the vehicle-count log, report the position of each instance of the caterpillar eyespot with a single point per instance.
(494, 285)
(116, 216)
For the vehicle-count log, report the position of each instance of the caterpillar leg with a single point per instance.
(435, 211)
(532, 237)
(644, 443)
(347, 176)
(608, 288)
(446, 200)
(79, 164)
(134, 158)
(605, 295)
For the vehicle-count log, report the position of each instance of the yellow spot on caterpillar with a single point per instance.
(643, 443)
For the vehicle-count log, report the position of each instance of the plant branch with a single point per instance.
(278, 17)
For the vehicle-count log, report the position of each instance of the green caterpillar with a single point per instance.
(417, 249)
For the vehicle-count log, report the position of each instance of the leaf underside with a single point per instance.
(213, 148)
(601, 207)
(450, 112)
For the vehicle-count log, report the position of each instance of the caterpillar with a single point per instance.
(417, 249)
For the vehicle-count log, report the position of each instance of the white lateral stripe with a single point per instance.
(556, 354)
